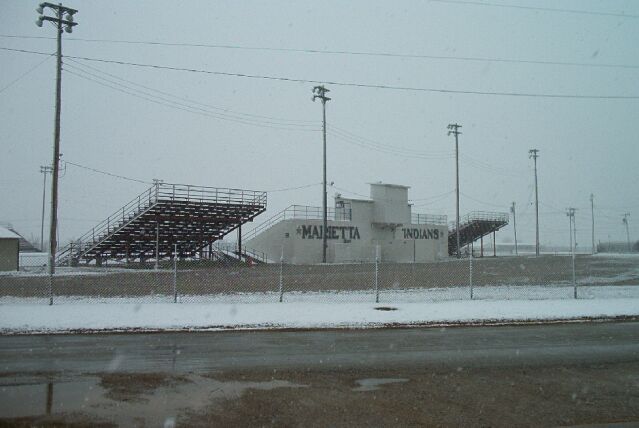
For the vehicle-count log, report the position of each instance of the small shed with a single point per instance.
(9, 250)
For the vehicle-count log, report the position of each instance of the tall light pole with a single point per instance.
(592, 214)
(625, 221)
(512, 210)
(320, 92)
(534, 153)
(63, 19)
(46, 169)
(453, 129)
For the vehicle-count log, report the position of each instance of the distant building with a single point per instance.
(9, 250)
(25, 245)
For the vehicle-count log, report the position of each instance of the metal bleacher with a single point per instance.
(474, 226)
(166, 215)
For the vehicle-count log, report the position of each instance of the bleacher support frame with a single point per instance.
(473, 226)
(165, 215)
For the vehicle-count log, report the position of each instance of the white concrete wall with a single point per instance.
(390, 203)
(351, 242)
(385, 221)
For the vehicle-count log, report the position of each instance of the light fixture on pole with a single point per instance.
(320, 92)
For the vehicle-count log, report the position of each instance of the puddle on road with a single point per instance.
(22, 397)
(372, 384)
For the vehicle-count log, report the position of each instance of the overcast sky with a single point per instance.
(586, 145)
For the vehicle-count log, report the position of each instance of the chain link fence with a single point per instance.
(223, 281)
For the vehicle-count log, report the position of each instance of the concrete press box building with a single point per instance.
(357, 228)
(9, 250)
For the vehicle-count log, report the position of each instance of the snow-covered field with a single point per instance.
(209, 307)
(317, 310)
(502, 292)
(122, 316)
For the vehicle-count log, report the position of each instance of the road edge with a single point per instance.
(334, 327)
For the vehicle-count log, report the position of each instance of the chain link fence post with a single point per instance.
(376, 273)
(282, 275)
(470, 274)
(50, 289)
(175, 257)
(574, 277)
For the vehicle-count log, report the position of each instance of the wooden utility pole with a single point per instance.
(453, 129)
(512, 210)
(44, 170)
(63, 20)
(625, 221)
(592, 213)
(534, 153)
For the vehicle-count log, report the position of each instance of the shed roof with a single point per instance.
(7, 234)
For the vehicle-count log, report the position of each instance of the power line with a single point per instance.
(173, 103)
(539, 9)
(433, 197)
(369, 141)
(482, 202)
(306, 186)
(356, 139)
(222, 110)
(106, 173)
(351, 192)
(384, 148)
(434, 200)
(26, 73)
(345, 52)
(487, 167)
(176, 105)
(345, 84)
(391, 152)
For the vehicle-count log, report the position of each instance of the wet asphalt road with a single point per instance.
(507, 346)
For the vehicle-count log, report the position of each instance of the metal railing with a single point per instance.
(189, 193)
(298, 212)
(147, 199)
(474, 216)
(231, 248)
(417, 218)
(112, 223)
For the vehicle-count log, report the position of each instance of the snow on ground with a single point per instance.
(41, 271)
(386, 296)
(617, 255)
(302, 310)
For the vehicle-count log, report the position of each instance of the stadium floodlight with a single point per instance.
(68, 29)
(39, 22)
(40, 9)
(70, 17)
